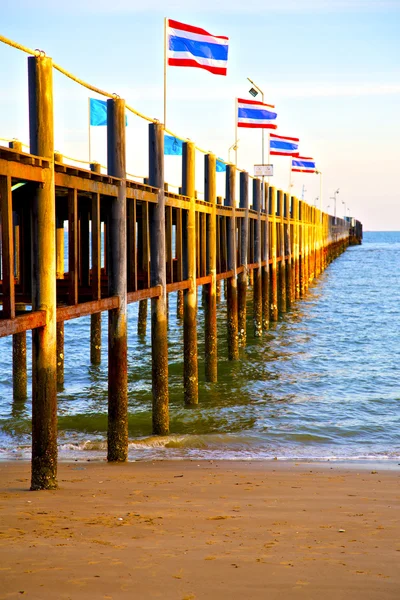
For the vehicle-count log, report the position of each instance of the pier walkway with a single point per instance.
(130, 241)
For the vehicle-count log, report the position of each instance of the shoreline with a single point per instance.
(383, 463)
(201, 529)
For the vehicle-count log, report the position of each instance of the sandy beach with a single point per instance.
(201, 530)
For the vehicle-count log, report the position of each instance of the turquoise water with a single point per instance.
(323, 383)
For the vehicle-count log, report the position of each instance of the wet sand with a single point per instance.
(201, 530)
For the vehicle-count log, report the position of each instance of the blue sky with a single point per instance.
(332, 69)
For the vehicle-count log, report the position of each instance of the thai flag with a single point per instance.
(252, 113)
(303, 164)
(283, 146)
(190, 46)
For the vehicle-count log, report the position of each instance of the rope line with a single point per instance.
(19, 46)
(95, 89)
(81, 82)
(139, 114)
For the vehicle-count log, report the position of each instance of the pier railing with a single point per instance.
(125, 241)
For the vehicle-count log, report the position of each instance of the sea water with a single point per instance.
(322, 384)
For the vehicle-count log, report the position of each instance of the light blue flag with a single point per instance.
(172, 145)
(98, 112)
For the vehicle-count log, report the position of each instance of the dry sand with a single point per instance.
(201, 530)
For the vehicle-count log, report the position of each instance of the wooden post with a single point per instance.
(219, 258)
(179, 259)
(58, 157)
(232, 300)
(243, 276)
(44, 339)
(274, 250)
(302, 247)
(20, 378)
(288, 249)
(145, 244)
(257, 281)
(306, 246)
(296, 248)
(59, 234)
(265, 260)
(282, 265)
(210, 309)
(9, 308)
(190, 367)
(95, 319)
(117, 326)
(158, 276)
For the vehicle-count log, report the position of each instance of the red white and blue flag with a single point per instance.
(190, 46)
(303, 164)
(283, 146)
(252, 113)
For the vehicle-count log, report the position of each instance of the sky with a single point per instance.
(331, 68)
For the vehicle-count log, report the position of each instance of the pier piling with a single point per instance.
(257, 275)
(44, 339)
(243, 275)
(190, 368)
(211, 346)
(117, 318)
(231, 281)
(158, 277)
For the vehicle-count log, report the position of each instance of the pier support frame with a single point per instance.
(210, 296)
(158, 277)
(257, 275)
(95, 320)
(265, 260)
(274, 268)
(243, 275)
(190, 366)
(231, 282)
(44, 339)
(282, 262)
(117, 318)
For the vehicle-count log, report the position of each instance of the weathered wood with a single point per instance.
(95, 319)
(274, 274)
(60, 354)
(73, 245)
(257, 275)
(117, 435)
(210, 309)
(20, 378)
(159, 345)
(296, 258)
(288, 253)
(44, 339)
(243, 275)
(144, 242)
(302, 248)
(265, 261)
(190, 367)
(282, 261)
(7, 247)
(231, 283)
(179, 260)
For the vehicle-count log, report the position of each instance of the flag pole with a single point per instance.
(236, 129)
(90, 150)
(165, 72)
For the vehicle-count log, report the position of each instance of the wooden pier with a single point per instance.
(153, 242)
